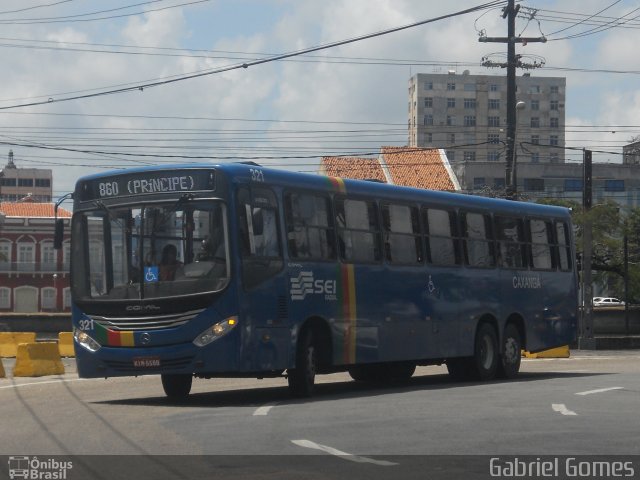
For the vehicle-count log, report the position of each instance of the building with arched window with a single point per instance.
(34, 277)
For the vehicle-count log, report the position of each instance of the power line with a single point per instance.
(36, 6)
(74, 18)
(141, 87)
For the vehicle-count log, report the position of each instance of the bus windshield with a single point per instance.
(150, 250)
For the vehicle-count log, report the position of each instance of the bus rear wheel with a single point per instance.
(511, 356)
(176, 387)
(302, 378)
(484, 363)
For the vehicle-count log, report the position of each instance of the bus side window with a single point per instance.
(310, 232)
(564, 248)
(479, 246)
(441, 237)
(259, 238)
(401, 230)
(511, 241)
(358, 231)
(541, 240)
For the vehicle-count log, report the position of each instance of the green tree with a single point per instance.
(609, 225)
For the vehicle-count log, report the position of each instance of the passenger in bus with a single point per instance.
(169, 264)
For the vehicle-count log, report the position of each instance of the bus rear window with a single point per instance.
(541, 239)
(564, 247)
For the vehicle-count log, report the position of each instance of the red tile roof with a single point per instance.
(352, 167)
(31, 210)
(406, 166)
(419, 167)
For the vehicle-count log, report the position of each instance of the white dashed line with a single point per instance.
(562, 408)
(264, 410)
(341, 454)
(600, 390)
(47, 382)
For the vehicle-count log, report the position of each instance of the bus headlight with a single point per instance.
(83, 339)
(218, 330)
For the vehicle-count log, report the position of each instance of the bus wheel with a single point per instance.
(302, 378)
(176, 387)
(511, 353)
(485, 359)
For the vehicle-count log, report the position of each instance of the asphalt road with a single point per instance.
(586, 405)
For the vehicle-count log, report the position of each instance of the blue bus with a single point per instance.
(235, 270)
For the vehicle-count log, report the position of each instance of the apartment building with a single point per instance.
(467, 114)
(18, 183)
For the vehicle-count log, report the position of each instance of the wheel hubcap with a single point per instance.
(510, 351)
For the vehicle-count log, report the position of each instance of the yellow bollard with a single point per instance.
(65, 344)
(2, 374)
(37, 360)
(9, 342)
(558, 352)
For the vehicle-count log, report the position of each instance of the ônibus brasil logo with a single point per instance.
(32, 468)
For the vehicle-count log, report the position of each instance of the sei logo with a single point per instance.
(304, 284)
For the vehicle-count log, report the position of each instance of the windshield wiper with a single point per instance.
(112, 216)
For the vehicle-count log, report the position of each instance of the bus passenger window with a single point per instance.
(401, 226)
(564, 248)
(541, 237)
(310, 231)
(441, 237)
(478, 240)
(510, 235)
(358, 233)
(264, 241)
(259, 236)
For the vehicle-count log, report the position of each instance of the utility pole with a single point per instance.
(586, 341)
(510, 12)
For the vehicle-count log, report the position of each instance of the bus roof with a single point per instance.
(297, 180)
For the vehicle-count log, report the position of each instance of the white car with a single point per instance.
(606, 302)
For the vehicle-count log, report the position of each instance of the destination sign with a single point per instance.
(149, 183)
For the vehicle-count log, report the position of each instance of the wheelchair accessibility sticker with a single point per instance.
(150, 274)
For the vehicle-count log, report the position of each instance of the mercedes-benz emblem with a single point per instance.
(145, 338)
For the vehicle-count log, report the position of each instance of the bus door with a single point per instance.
(263, 301)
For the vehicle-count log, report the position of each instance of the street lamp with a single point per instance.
(514, 176)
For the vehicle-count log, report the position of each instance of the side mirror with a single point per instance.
(59, 234)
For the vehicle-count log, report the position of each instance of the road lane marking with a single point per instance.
(61, 380)
(341, 454)
(599, 390)
(264, 410)
(562, 408)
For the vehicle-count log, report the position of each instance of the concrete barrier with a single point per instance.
(9, 342)
(37, 360)
(559, 352)
(65, 344)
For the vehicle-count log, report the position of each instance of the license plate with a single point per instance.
(146, 362)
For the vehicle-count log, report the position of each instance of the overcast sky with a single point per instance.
(345, 100)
